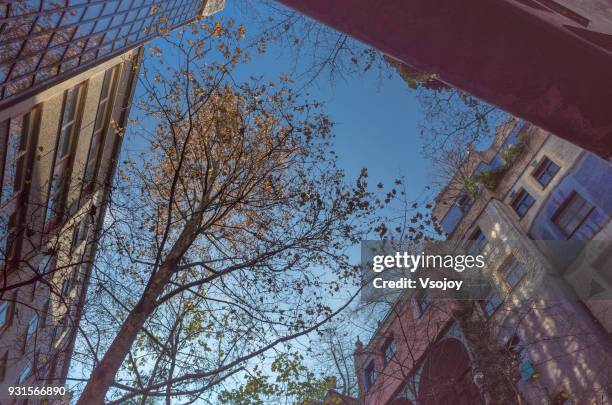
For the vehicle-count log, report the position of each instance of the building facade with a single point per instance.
(68, 70)
(539, 346)
(44, 42)
(59, 151)
(564, 90)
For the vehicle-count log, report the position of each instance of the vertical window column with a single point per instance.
(64, 154)
(17, 137)
(103, 115)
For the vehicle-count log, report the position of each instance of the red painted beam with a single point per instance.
(494, 50)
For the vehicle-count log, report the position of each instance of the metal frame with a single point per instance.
(63, 46)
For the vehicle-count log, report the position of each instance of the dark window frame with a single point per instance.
(477, 242)
(369, 375)
(388, 355)
(566, 205)
(104, 114)
(522, 202)
(423, 301)
(544, 168)
(61, 170)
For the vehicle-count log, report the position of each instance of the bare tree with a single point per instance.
(229, 230)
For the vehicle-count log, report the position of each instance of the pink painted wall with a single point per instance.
(413, 337)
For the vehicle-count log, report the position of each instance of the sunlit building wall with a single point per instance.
(562, 352)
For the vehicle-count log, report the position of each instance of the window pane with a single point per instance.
(370, 376)
(25, 373)
(4, 313)
(492, 302)
(546, 171)
(389, 351)
(72, 16)
(64, 142)
(514, 273)
(13, 143)
(68, 121)
(32, 326)
(93, 11)
(522, 202)
(102, 118)
(54, 197)
(478, 241)
(573, 213)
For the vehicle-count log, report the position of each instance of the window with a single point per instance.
(14, 148)
(101, 123)
(81, 230)
(3, 361)
(66, 284)
(423, 301)
(572, 214)
(477, 242)
(34, 287)
(519, 352)
(454, 215)
(63, 153)
(513, 273)
(27, 371)
(5, 313)
(16, 134)
(32, 327)
(45, 266)
(545, 171)
(522, 202)
(60, 329)
(389, 350)
(492, 301)
(370, 376)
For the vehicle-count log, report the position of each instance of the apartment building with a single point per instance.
(68, 71)
(43, 42)
(59, 151)
(547, 61)
(528, 189)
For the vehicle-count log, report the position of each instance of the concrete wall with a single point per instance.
(51, 346)
(569, 350)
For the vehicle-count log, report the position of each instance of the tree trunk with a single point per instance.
(104, 373)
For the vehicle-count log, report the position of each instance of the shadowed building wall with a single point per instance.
(548, 61)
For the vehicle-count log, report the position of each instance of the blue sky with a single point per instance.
(375, 118)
